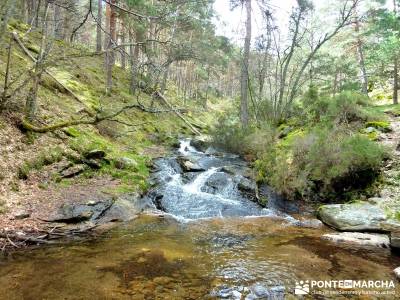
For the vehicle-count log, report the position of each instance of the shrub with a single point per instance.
(325, 162)
(343, 108)
(231, 136)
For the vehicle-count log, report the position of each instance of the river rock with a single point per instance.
(309, 223)
(359, 216)
(216, 182)
(75, 213)
(248, 188)
(370, 129)
(125, 163)
(224, 292)
(21, 214)
(395, 239)
(397, 272)
(93, 163)
(123, 209)
(358, 238)
(73, 171)
(258, 291)
(246, 185)
(189, 166)
(238, 170)
(201, 143)
(95, 154)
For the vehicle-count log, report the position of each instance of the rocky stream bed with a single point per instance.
(203, 231)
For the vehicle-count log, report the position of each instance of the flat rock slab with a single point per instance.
(359, 216)
(73, 171)
(75, 213)
(358, 238)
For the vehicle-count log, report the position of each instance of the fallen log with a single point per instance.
(162, 98)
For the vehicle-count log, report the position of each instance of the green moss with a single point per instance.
(291, 136)
(85, 77)
(372, 136)
(72, 131)
(380, 125)
(14, 24)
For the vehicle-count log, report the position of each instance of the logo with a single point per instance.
(302, 287)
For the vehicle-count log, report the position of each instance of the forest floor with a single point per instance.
(390, 189)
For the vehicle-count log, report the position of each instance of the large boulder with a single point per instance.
(73, 171)
(248, 188)
(95, 154)
(216, 182)
(201, 143)
(189, 166)
(125, 163)
(123, 209)
(358, 216)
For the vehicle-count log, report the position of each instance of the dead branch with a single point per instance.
(26, 51)
(96, 119)
(192, 128)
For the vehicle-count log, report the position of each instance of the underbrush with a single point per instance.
(45, 158)
(318, 154)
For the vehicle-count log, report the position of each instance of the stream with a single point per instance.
(202, 236)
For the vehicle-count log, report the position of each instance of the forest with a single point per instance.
(207, 149)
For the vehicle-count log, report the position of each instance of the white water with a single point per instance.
(204, 196)
(185, 148)
(198, 183)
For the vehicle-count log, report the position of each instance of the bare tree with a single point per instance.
(31, 101)
(395, 68)
(289, 64)
(360, 52)
(244, 77)
(98, 27)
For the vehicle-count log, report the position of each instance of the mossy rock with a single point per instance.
(371, 133)
(380, 125)
(72, 132)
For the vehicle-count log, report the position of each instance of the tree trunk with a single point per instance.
(8, 11)
(164, 80)
(361, 61)
(110, 55)
(58, 34)
(98, 29)
(244, 114)
(134, 51)
(396, 68)
(31, 101)
(107, 29)
(395, 82)
(37, 12)
(123, 49)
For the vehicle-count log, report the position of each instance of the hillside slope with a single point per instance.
(38, 171)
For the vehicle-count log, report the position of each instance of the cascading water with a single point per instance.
(215, 257)
(211, 192)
